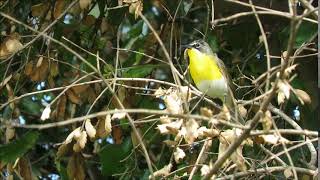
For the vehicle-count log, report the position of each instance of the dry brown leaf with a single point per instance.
(274, 139)
(117, 135)
(227, 137)
(37, 73)
(46, 113)
(204, 132)
(179, 154)
(288, 173)
(242, 110)
(91, 95)
(82, 139)
(54, 69)
(107, 124)
(204, 111)
(73, 97)
(80, 89)
(39, 62)
(63, 149)
(165, 119)
(283, 91)
(58, 8)
(29, 68)
(90, 129)
(225, 113)
(302, 96)
(170, 143)
(10, 45)
(61, 107)
(5, 81)
(205, 169)
(84, 4)
(104, 127)
(10, 132)
(24, 169)
(266, 121)
(39, 9)
(170, 128)
(70, 137)
(162, 172)
(191, 131)
(119, 115)
(75, 168)
(76, 147)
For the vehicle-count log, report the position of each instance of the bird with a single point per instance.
(208, 72)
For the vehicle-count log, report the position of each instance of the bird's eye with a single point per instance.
(196, 45)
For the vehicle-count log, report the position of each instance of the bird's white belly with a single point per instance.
(214, 88)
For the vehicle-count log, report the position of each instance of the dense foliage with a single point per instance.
(96, 89)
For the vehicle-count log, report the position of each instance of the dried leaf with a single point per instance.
(58, 8)
(288, 173)
(10, 132)
(63, 149)
(5, 81)
(170, 143)
(117, 135)
(107, 124)
(39, 62)
(135, 8)
(205, 170)
(185, 93)
(82, 139)
(90, 129)
(170, 128)
(225, 113)
(283, 91)
(159, 92)
(274, 139)
(10, 45)
(84, 4)
(119, 115)
(204, 111)
(162, 172)
(75, 168)
(165, 119)
(39, 9)
(204, 132)
(54, 69)
(227, 137)
(302, 96)
(191, 131)
(73, 97)
(72, 135)
(61, 107)
(76, 147)
(242, 110)
(24, 169)
(266, 121)
(179, 154)
(46, 113)
(80, 89)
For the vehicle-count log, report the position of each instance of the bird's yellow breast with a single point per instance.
(202, 66)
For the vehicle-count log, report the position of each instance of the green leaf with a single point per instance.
(62, 170)
(111, 156)
(10, 152)
(306, 31)
(139, 71)
(31, 107)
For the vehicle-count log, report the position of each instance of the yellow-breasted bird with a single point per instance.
(209, 72)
